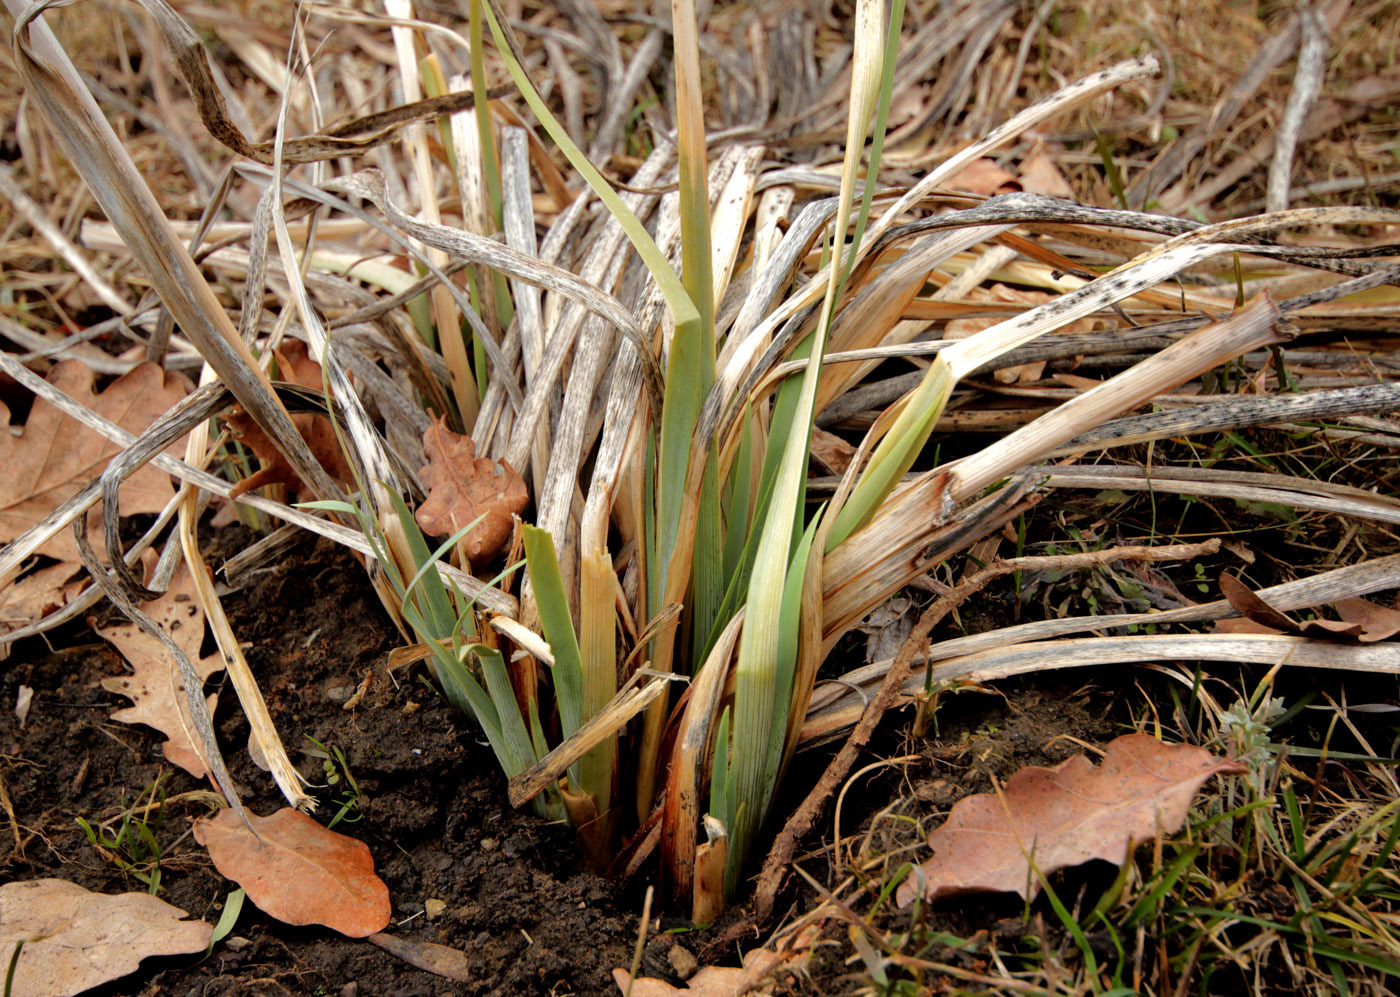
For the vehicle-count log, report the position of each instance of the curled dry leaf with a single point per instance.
(1062, 816)
(462, 487)
(1361, 621)
(294, 365)
(55, 456)
(156, 686)
(298, 871)
(75, 940)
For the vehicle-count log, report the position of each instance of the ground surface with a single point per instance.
(432, 817)
(431, 809)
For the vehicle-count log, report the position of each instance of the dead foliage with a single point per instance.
(298, 871)
(1043, 820)
(75, 940)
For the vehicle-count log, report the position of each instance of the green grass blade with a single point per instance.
(548, 585)
(516, 751)
(896, 453)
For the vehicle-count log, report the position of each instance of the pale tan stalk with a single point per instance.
(603, 727)
(264, 744)
(690, 759)
(445, 314)
(1214, 344)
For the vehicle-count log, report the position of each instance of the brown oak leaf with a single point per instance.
(1040, 175)
(156, 686)
(1361, 621)
(982, 176)
(298, 871)
(295, 365)
(1062, 816)
(35, 596)
(462, 487)
(55, 456)
(75, 940)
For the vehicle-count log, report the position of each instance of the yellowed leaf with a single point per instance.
(55, 456)
(298, 871)
(75, 940)
(156, 686)
(1062, 816)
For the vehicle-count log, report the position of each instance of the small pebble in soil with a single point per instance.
(488, 844)
(682, 961)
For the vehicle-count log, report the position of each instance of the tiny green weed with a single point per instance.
(352, 801)
(128, 841)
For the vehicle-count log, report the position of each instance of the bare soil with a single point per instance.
(433, 811)
(434, 819)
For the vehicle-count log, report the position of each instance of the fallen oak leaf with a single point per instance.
(1377, 622)
(1357, 623)
(298, 871)
(55, 456)
(1039, 175)
(295, 366)
(463, 488)
(35, 596)
(1063, 816)
(156, 685)
(983, 176)
(712, 981)
(75, 940)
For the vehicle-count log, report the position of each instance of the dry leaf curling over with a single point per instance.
(295, 366)
(299, 872)
(75, 940)
(462, 487)
(55, 456)
(1062, 816)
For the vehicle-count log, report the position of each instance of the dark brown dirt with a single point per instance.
(433, 808)
(433, 813)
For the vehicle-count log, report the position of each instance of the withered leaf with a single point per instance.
(296, 366)
(441, 960)
(299, 872)
(1361, 621)
(1062, 816)
(156, 687)
(983, 176)
(35, 596)
(760, 965)
(55, 456)
(75, 940)
(1040, 175)
(461, 487)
